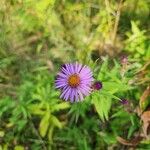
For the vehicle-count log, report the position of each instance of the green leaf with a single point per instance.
(43, 5)
(102, 104)
(44, 124)
(2, 133)
(108, 137)
(60, 106)
(55, 121)
(135, 28)
(19, 147)
(21, 124)
(5, 146)
(35, 109)
(114, 87)
(103, 69)
(134, 126)
(50, 133)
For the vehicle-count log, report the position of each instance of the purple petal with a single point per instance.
(67, 94)
(64, 92)
(78, 67)
(72, 95)
(60, 85)
(66, 71)
(80, 95)
(76, 95)
(84, 90)
(72, 69)
(62, 75)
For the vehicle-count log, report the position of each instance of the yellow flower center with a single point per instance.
(74, 80)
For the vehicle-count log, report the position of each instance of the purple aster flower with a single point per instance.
(74, 80)
(97, 85)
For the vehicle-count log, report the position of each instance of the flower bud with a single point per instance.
(97, 85)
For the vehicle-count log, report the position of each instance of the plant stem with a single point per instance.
(36, 132)
(135, 5)
(108, 13)
(116, 22)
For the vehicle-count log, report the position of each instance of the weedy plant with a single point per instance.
(111, 38)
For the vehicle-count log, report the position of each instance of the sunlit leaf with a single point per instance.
(44, 124)
(19, 147)
(50, 133)
(2, 133)
(102, 104)
(60, 106)
(55, 121)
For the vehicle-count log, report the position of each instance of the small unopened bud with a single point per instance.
(124, 102)
(97, 85)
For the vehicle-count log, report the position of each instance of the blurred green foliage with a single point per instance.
(36, 37)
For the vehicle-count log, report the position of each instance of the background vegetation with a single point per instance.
(37, 37)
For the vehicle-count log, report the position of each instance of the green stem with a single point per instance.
(117, 22)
